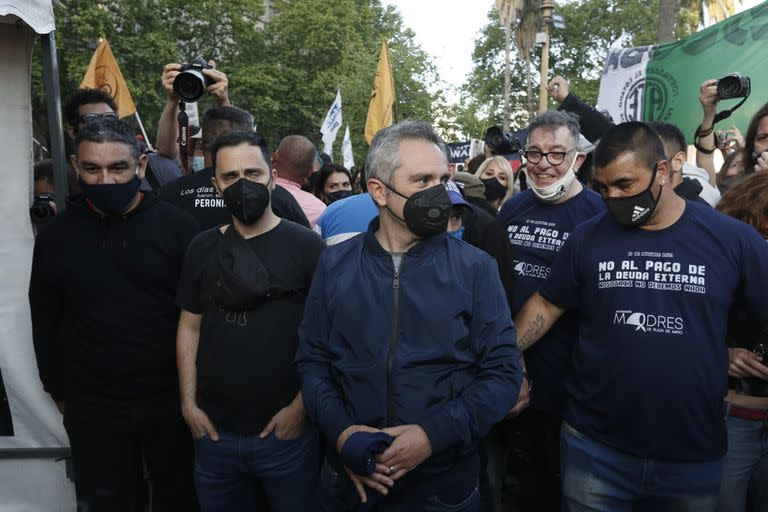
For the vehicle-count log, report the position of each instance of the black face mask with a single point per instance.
(636, 210)
(427, 211)
(494, 189)
(111, 198)
(339, 194)
(246, 200)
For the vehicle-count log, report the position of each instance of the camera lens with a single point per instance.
(189, 85)
(41, 211)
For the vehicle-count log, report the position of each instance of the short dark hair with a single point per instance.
(107, 129)
(324, 173)
(551, 120)
(749, 140)
(235, 138)
(86, 97)
(43, 170)
(218, 120)
(632, 137)
(474, 164)
(671, 136)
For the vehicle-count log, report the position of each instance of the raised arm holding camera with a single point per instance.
(210, 80)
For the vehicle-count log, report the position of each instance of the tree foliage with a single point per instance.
(577, 53)
(286, 73)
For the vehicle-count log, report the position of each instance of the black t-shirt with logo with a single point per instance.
(245, 359)
(197, 195)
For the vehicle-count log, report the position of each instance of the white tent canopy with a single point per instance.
(30, 477)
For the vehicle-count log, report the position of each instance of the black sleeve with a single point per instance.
(47, 306)
(286, 207)
(189, 294)
(493, 240)
(169, 192)
(593, 124)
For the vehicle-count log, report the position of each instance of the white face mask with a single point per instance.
(558, 189)
(198, 163)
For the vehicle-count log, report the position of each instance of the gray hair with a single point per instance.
(553, 119)
(384, 154)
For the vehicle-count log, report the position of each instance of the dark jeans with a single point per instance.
(745, 472)
(534, 439)
(110, 446)
(228, 472)
(336, 493)
(598, 478)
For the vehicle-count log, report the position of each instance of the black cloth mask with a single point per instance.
(494, 189)
(246, 200)
(636, 210)
(111, 198)
(339, 194)
(426, 212)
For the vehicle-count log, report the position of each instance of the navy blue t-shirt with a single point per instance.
(650, 367)
(537, 231)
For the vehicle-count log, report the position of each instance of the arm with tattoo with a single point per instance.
(534, 319)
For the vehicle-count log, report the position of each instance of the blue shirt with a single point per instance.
(537, 231)
(650, 367)
(346, 218)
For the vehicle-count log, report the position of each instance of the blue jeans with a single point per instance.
(336, 493)
(228, 471)
(599, 478)
(746, 466)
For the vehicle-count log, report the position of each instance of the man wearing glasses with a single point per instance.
(652, 279)
(88, 105)
(538, 221)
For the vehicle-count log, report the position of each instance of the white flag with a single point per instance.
(346, 150)
(331, 125)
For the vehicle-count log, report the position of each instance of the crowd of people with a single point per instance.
(275, 332)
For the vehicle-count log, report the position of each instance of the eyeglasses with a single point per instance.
(87, 118)
(553, 157)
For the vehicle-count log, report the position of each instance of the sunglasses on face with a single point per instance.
(87, 118)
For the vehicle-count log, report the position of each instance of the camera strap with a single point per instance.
(183, 138)
(725, 114)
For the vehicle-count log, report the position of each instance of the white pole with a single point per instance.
(146, 139)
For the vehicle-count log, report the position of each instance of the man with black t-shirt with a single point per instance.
(538, 221)
(242, 296)
(196, 194)
(104, 278)
(653, 279)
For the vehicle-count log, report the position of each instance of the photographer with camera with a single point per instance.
(196, 192)
(746, 463)
(214, 83)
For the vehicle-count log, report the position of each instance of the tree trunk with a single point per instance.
(507, 64)
(529, 85)
(665, 32)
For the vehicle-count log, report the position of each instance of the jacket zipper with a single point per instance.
(393, 342)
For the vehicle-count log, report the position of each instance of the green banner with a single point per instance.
(675, 71)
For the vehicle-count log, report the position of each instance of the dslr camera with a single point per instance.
(189, 85)
(501, 143)
(733, 86)
(42, 209)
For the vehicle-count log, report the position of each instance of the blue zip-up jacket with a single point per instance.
(432, 345)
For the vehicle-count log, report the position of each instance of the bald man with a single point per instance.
(293, 162)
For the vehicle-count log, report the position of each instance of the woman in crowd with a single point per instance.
(745, 470)
(333, 183)
(731, 170)
(497, 176)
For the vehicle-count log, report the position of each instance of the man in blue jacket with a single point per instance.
(407, 331)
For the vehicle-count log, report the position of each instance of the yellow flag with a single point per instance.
(381, 112)
(104, 73)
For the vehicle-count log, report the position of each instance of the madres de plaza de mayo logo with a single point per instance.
(649, 323)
